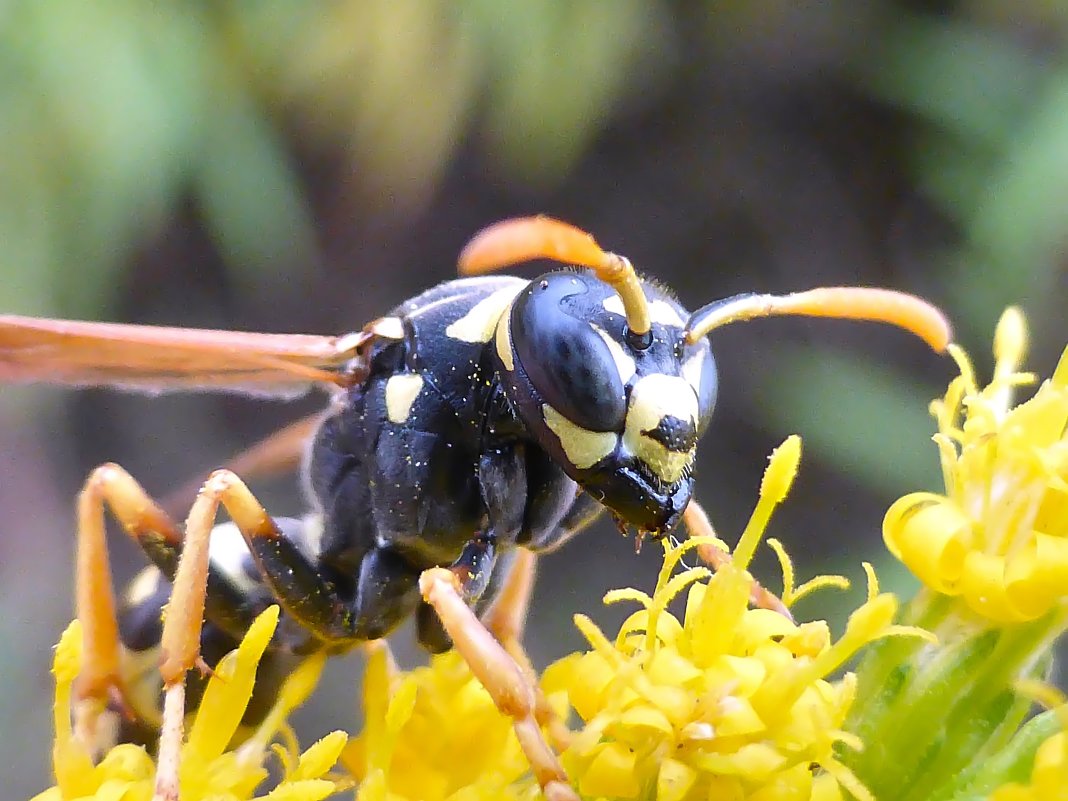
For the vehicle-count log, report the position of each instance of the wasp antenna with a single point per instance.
(845, 302)
(524, 238)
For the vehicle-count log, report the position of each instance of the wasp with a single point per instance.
(478, 424)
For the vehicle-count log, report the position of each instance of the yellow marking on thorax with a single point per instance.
(401, 392)
(582, 447)
(387, 328)
(504, 339)
(480, 321)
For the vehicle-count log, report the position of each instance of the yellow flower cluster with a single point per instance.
(434, 734)
(725, 702)
(208, 769)
(998, 538)
(698, 696)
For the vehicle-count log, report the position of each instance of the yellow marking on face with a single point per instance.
(401, 392)
(143, 586)
(479, 323)
(660, 311)
(692, 369)
(582, 447)
(652, 398)
(624, 362)
(504, 339)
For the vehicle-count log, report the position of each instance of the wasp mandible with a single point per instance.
(480, 423)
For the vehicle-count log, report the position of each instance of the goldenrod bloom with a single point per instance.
(698, 696)
(998, 537)
(434, 734)
(208, 769)
(992, 553)
(724, 702)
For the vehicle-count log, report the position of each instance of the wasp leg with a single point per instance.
(180, 642)
(505, 621)
(481, 576)
(333, 606)
(698, 525)
(508, 615)
(100, 679)
(507, 683)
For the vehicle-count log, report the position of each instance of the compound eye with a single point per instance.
(565, 359)
(699, 370)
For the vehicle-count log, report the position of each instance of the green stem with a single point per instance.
(885, 670)
(947, 709)
(1012, 763)
(914, 724)
(946, 759)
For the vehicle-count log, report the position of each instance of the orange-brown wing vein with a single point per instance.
(157, 359)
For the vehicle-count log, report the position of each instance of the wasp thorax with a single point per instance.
(621, 419)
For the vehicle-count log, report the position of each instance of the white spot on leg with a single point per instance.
(312, 535)
(401, 392)
(582, 447)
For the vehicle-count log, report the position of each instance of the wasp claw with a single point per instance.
(117, 701)
(639, 539)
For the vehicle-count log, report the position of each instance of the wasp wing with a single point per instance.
(156, 359)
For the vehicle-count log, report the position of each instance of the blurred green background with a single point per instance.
(294, 166)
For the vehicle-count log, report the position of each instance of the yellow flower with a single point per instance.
(998, 537)
(723, 702)
(208, 769)
(431, 734)
(726, 702)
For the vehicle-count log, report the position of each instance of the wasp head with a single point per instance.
(621, 413)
